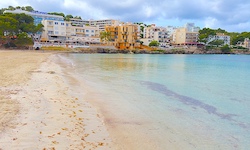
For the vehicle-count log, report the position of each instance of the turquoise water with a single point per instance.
(173, 101)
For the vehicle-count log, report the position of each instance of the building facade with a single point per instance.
(219, 36)
(182, 36)
(102, 23)
(154, 33)
(124, 36)
(38, 16)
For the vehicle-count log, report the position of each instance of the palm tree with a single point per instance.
(105, 36)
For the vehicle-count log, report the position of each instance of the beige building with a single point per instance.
(159, 34)
(124, 36)
(102, 23)
(182, 36)
(64, 31)
(54, 31)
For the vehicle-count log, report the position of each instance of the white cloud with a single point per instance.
(226, 14)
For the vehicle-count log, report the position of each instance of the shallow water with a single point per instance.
(169, 101)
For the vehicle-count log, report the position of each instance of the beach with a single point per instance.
(52, 100)
(40, 108)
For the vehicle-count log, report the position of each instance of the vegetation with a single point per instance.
(142, 26)
(16, 28)
(204, 33)
(105, 36)
(235, 37)
(216, 43)
(225, 49)
(55, 48)
(154, 43)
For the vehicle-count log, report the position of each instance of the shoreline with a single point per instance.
(50, 114)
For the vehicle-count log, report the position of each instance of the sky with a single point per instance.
(231, 15)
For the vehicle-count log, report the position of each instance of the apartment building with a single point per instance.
(246, 43)
(102, 23)
(64, 31)
(83, 34)
(182, 36)
(54, 31)
(219, 36)
(78, 22)
(38, 16)
(124, 36)
(170, 30)
(153, 32)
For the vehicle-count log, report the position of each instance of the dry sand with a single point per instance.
(40, 108)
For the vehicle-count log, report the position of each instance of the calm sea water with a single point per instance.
(180, 101)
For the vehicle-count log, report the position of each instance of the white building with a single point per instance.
(159, 34)
(38, 16)
(171, 30)
(102, 23)
(219, 36)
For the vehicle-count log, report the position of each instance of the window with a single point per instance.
(62, 24)
(92, 31)
(50, 32)
(87, 30)
(56, 32)
(56, 23)
(67, 24)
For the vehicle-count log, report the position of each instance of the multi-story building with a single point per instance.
(219, 36)
(38, 16)
(54, 31)
(124, 36)
(159, 34)
(79, 22)
(182, 36)
(171, 30)
(187, 35)
(246, 43)
(84, 34)
(102, 23)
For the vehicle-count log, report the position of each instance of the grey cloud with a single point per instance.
(230, 14)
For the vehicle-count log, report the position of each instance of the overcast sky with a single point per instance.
(231, 15)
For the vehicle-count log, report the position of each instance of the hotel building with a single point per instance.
(124, 36)
(219, 36)
(38, 16)
(187, 35)
(154, 33)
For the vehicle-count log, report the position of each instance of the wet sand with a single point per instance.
(41, 108)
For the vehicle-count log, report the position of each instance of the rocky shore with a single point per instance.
(160, 51)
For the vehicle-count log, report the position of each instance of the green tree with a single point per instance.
(29, 8)
(56, 13)
(154, 43)
(23, 40)
(11, 8)
(8, 26)
(25, 22)
(67, 17)
(105, 36)
(216, 42)
(204, 33)
(2, 10)
(225, 49)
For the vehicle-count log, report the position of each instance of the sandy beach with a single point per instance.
(40, 109)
